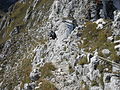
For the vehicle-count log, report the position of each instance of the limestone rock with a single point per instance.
(35, 75)
(105, 51)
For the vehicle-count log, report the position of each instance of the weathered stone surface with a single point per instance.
(105, 51)
(26, 52)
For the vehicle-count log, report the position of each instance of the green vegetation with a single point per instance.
(94, 83)
(20, 74)
(86, 87)
(43, 41)
(18, 13)
(83, 61)
(17, 16)
(101, 80)
(97, 39)
(43, 6)
(94, 38)
(46, 85)
(41, 3)
(24, 71)
(101, 67)
(46, 70)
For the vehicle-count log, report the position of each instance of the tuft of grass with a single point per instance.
(94, 38)
(20, 74)
(94, 83)
(17, 16)
(97, 39)
(83, 61)
(101, 67)
(24, 71)
(101, 80)
(86, 87)
(46, 70)
(41, 3)
(46, 85)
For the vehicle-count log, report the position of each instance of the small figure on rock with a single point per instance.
(53, 35)
(107, 79)
(35, 75)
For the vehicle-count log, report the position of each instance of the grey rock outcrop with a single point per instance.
(105, 51)
(35, 75)
(116, 23)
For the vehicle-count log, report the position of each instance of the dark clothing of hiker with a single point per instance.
(52, 35)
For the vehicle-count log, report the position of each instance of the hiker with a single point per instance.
(52, 35)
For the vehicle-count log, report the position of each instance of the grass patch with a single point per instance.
(46, 70)
(41, 3)
(86, 87)
(46, 85)
(97, 39)
(17, 16)
(101, 67)
(94, 83)
(24, 71)
(101, 80)
(83, 61)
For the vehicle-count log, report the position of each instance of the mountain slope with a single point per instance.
(30, 59)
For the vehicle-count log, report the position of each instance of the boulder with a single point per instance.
(106, 52)
(116, 23)
(100, 23)
(35, 75)
(52, 34)
(110, 38)
(27, 87)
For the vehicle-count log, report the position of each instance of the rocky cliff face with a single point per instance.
(50, 45)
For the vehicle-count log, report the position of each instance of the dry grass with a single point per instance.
(46, 70)
(47, 85)
(97, 39)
